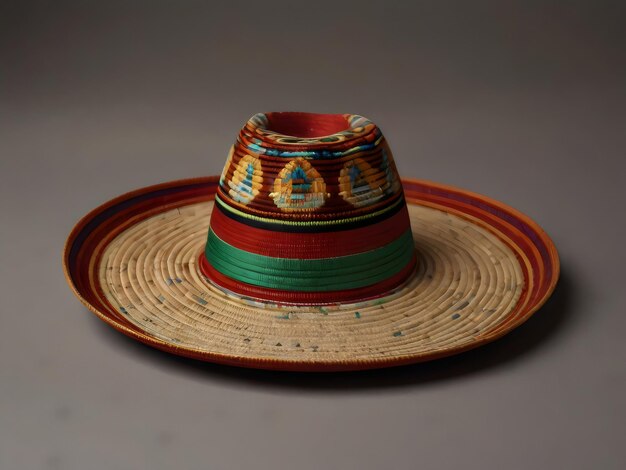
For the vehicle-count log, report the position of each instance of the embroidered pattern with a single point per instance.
(299, 187)
(247, 180)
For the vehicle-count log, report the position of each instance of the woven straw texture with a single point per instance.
(467, 281)
(483, 269)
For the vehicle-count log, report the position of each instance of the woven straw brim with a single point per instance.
(479, 275)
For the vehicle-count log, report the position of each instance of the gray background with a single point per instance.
(521, 101)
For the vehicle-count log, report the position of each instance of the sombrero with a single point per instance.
(309, 253)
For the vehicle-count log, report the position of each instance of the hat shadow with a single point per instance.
(521, 343)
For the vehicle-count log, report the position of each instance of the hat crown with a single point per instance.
(305, 166)
(309, 209)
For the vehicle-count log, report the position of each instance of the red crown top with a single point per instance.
(330, 166)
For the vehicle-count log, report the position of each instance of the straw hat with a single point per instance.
(309, 253)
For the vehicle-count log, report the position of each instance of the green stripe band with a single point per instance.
(310, 275)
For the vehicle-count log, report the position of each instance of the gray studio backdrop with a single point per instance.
(521, 101)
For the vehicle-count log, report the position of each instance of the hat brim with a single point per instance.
(484, 268)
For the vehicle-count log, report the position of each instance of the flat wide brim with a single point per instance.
(483, 269)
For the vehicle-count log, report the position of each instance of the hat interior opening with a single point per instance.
(306, 125)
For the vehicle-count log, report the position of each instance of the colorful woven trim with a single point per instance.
(308, 244)
(315, 226)
(311, 205)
